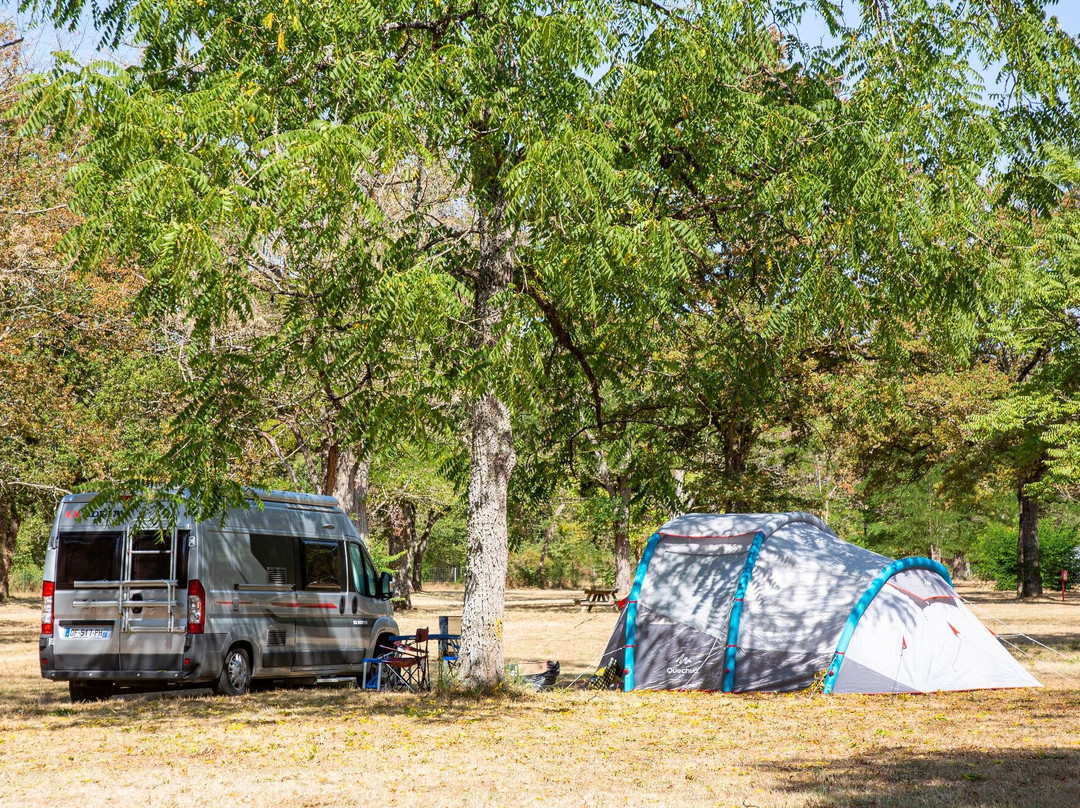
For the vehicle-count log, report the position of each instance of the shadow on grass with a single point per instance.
(1062, 643)
(987, 597)
(320, 702)
(563, 608)
(903, 779)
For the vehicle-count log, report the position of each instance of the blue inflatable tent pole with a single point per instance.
(632, 608)
(736, 611)
(912, 563)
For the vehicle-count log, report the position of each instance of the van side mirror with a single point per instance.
(386, 585)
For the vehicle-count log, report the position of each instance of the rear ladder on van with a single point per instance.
(134, 609)
(136, 613)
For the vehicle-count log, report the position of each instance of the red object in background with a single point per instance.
(1064, 578)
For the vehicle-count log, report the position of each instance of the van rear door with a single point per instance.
(153, 615)
(86, 608)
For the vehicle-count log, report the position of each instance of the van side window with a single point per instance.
(277, 554)
(323, 565)
(365, 581)
(372, 573)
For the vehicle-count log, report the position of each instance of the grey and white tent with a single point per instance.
(744, 602)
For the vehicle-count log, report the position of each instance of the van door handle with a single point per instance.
(355, 603)
(341, 606)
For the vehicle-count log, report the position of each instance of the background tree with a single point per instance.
(413, 494)
(282, 141)
(84, 390)
(740, 201)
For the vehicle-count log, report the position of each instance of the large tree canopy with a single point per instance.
(453, 205)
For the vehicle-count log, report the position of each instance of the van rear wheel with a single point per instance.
(84, 692)
(235, 678)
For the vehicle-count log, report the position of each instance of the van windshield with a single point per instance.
(87, 556)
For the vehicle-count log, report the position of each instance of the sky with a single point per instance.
(43, 40)
(1067, 12)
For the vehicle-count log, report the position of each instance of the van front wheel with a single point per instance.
(235, 678)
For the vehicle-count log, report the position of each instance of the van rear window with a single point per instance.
(87, 556)
(152, 556)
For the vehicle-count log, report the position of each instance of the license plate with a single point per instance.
(86, 633)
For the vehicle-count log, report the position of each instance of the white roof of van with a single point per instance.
(289, 497)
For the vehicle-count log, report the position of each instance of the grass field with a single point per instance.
(336, 745)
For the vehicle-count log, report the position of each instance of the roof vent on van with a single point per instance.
(277, 575)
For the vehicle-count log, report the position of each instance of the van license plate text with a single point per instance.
(86, 633)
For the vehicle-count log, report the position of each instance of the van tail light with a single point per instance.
(47, 590)
(196, 608)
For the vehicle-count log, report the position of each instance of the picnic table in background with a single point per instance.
(596, 596)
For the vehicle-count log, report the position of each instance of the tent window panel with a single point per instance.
(781, 671)
(695, 590)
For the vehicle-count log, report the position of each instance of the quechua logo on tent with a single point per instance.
(682, 666)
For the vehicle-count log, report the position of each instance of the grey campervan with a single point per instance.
(288, 590)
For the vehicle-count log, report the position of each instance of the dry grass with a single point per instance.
(339, 746)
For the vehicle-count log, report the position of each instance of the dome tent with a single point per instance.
(743, 602)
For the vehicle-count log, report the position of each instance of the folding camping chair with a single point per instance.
(405, 667)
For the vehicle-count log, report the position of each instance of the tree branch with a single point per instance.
(32, 212)
(436, 27)
(652, 5)
(1034, 362)
(35, 486)
(280, 456)
(563, 337)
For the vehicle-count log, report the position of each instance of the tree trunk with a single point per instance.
(739, 437)
(548, 536)
(422, 539)
(403, 540)
(682, 504)
(621, 529)
(491, 462)
(1028, 574)
(9, 532)
(961, 567)
(418, 556)
(351, 488)
(618, 491)
(330, 477)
